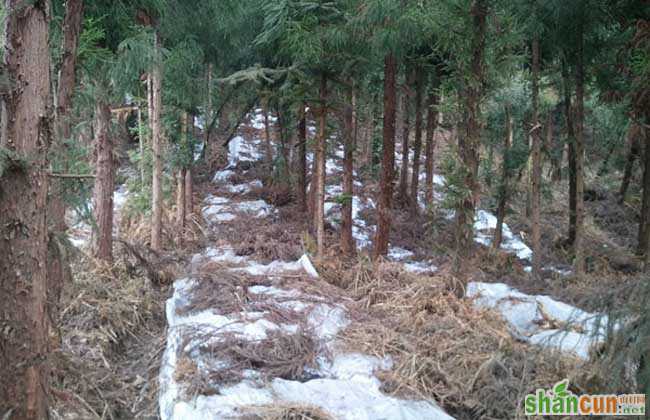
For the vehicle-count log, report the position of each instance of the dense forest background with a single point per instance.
(116, 115)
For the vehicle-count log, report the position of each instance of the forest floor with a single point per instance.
(257, 329)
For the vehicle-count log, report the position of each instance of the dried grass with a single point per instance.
(112, 336)
(279, 355)
(443, 348)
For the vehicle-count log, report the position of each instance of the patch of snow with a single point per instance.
(223, 176)
(419, 267)
(529, 315)
(399, 254)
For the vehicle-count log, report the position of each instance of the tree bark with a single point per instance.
(65, 92)
(180, 197)
(26, 134)
(302, 157)
(644, 223)
(180, 179)
(319, 182)
(347, 241)
(156, 146)
(417, 145)
(633, 153)
(406, 129)
(388, 159)
(189, 184)
(208, 110)
(571, 139)
(430, 145)
(537, 165)
(469, 142)
(267, 134)
(504, 188)
(104, 184)
(141, 143)
(578, 246)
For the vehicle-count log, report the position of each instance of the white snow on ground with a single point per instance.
(345, 384)
(486, 221)
(542, 320)
(221, 209)
(241, 151)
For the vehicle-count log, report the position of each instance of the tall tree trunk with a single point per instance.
(504, 188)
(156, 147)
(388, 159)
(571, 140)
(189, 185)
(58, 265)
(417, 145)
(180, 197)
(644, 223)
(347, 241)
(65, 92)
(208, 110)
(409, 80)
(302, 157)
(267, 134)
(319, 182)
(430, 145)
(368, 137)
(141, 142)
(104, 184)
(469, 142)
(537, 165)
(25, 133)
(556, 160)
(181, 207)
(633, 153)
(578, 246)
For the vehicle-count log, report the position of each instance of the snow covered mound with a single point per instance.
(542, 320)
(221, 209)
(342, 384)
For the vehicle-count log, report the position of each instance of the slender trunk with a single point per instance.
(302, 157)
(104, 184)
(578, 245)
(150, 105)
(180, 179)
(469, 142)
(189, 185)
(417, 145)
(319, 182)
(156, 146)
(644, 223)
(267, 134)
(369, 132)
(347, 241)
(633, 153)
(430, 145)
(388, 159)
(23, 194)
(537, 165)
(504, 189)
(65, 92)
(180, 197)
(406, 128)
(556, 160)
(141, 142)
(208, 109)
(571, 154)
